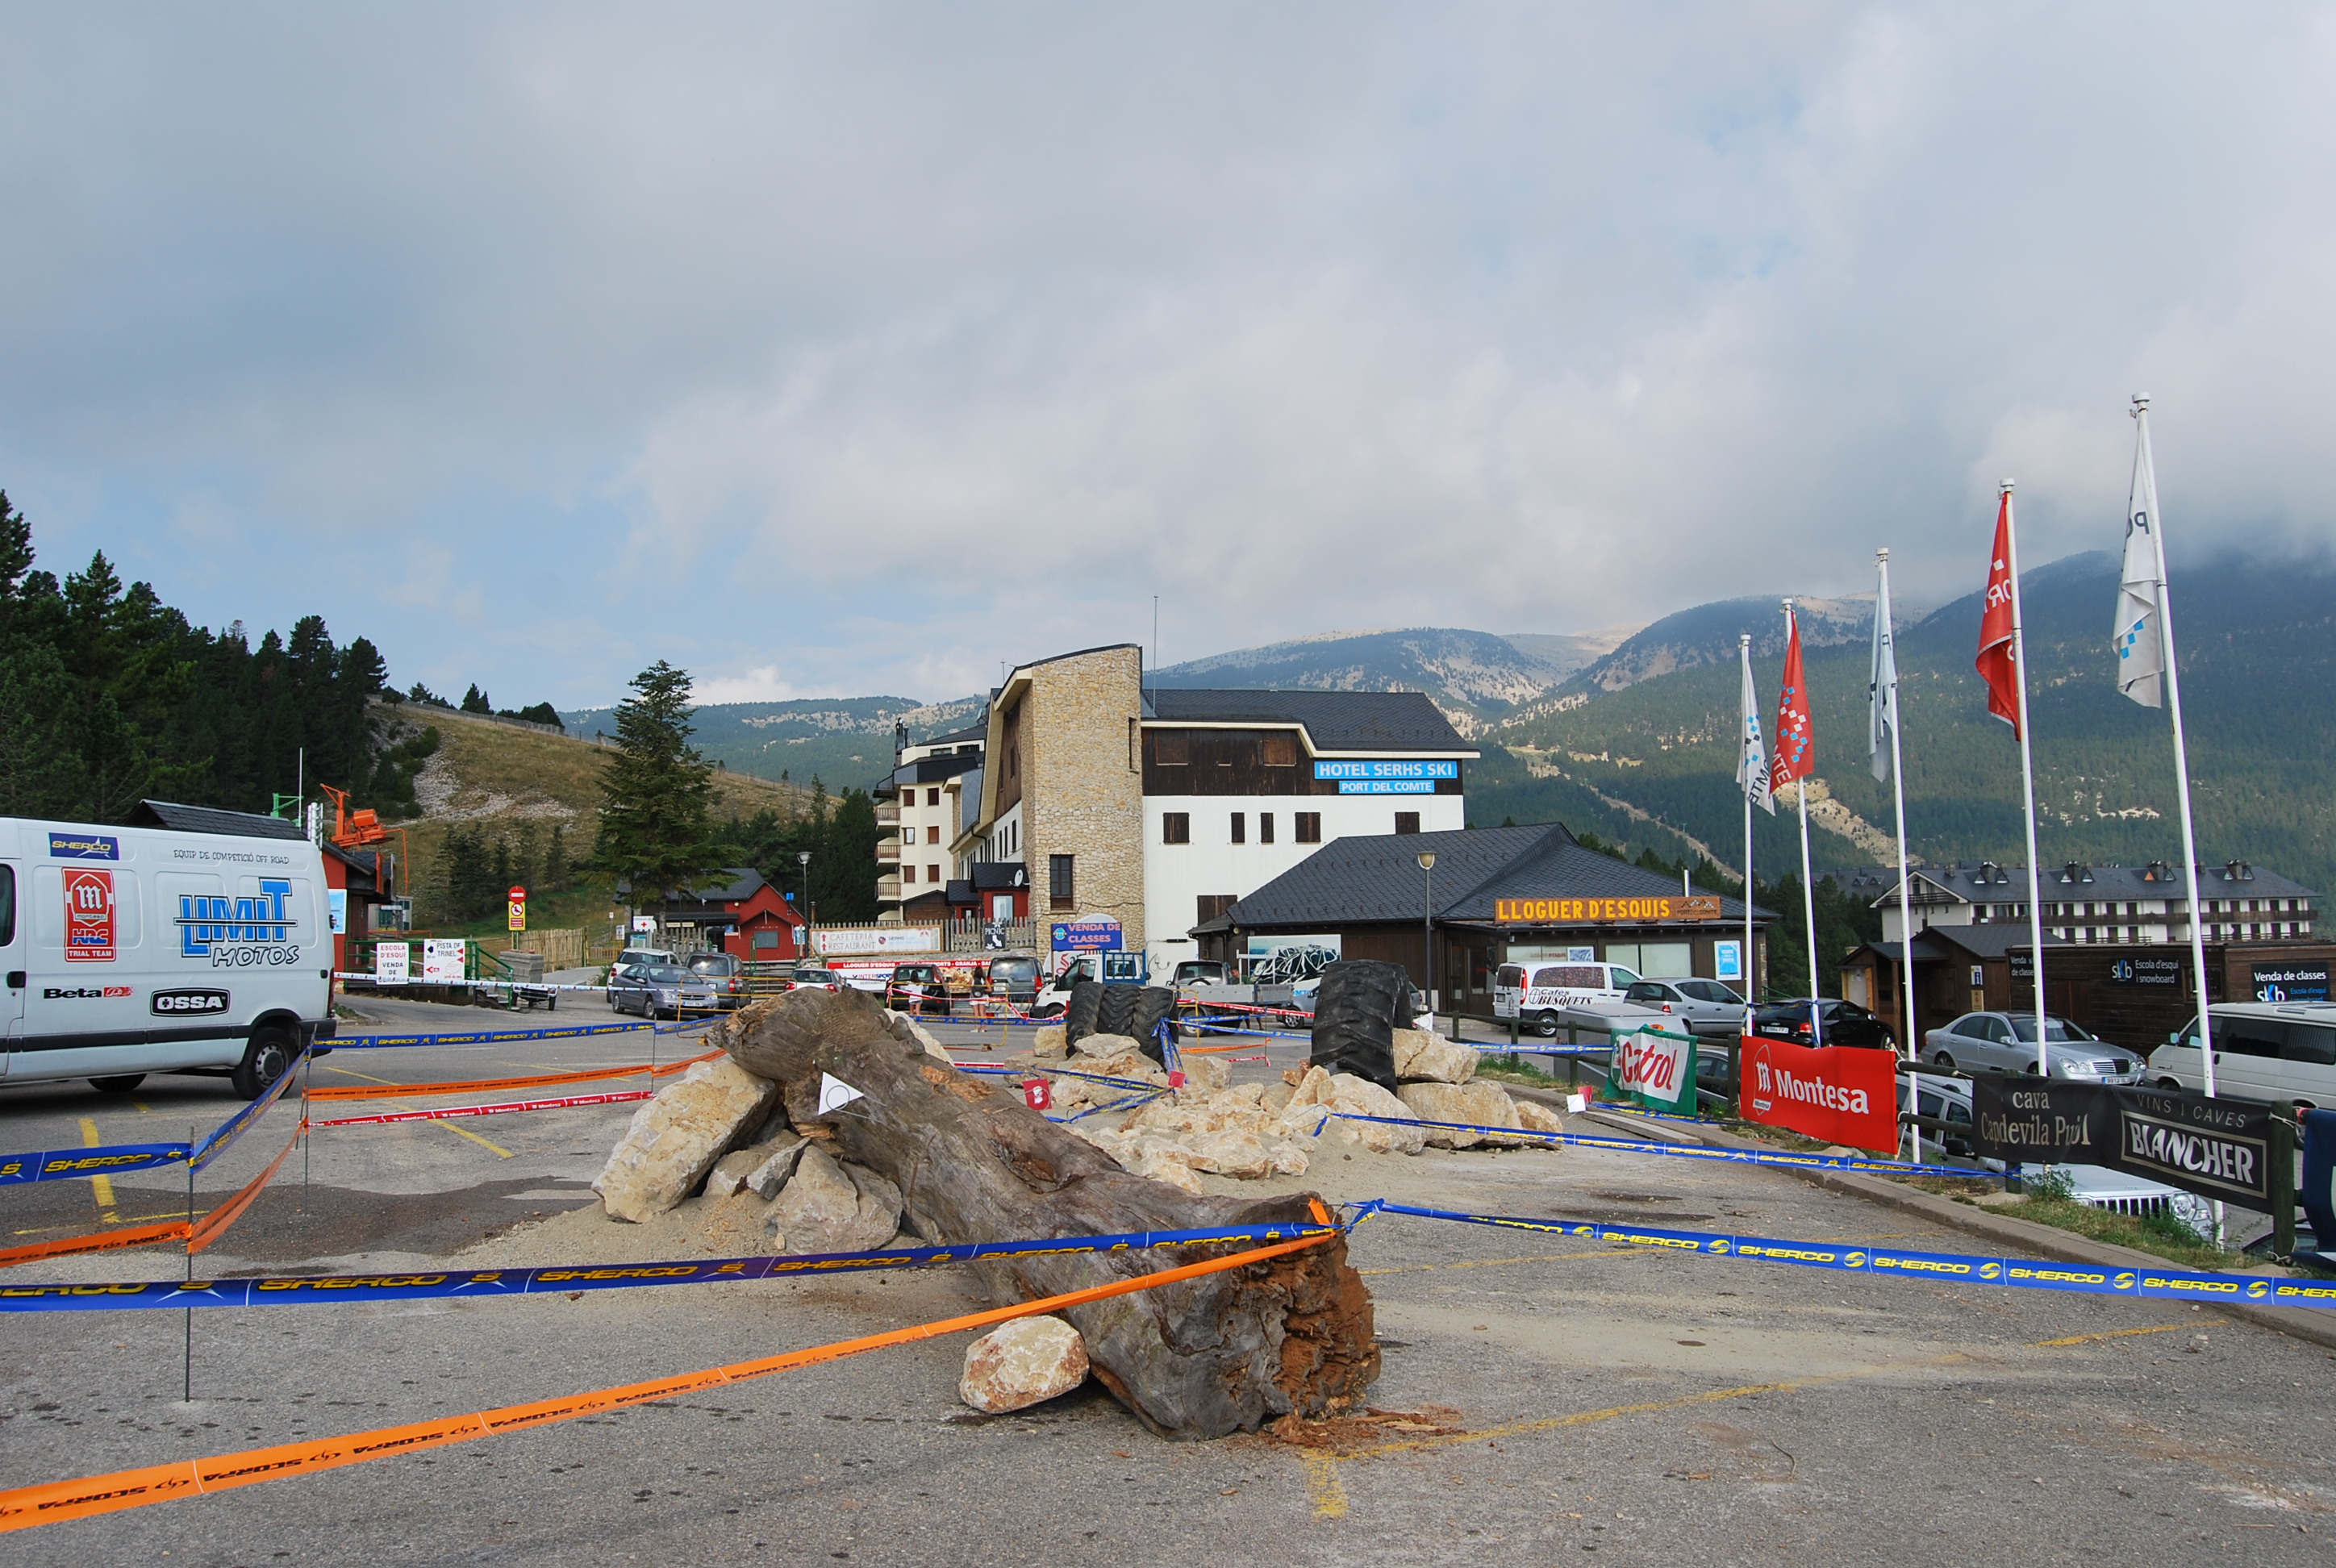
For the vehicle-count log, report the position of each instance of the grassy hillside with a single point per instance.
(2258, 654)
(846, 743)
(519, 784)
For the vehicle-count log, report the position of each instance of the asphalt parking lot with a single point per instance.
(1573, 1399)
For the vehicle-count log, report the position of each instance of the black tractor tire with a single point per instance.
(1115, 1013)
(120, 1084)
(1360, 1004)
(1154, 1013)
(271, 1052)
(1079, 1012)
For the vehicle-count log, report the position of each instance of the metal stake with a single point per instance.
(187, 1379)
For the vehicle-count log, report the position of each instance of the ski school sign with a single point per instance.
(1842, 1094)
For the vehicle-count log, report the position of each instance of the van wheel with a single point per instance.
(2174, 1084)
(264, 1061)
(120, 1084)
(1545, 1025)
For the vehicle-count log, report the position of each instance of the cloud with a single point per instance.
(848, 351)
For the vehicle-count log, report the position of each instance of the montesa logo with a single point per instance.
(81, 993)
(172, 1004)
(1785, 1084)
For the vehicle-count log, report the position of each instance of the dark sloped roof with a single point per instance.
(1378, 878)
(2008, 884)
(971, 732)
(1334, 720)
(998, 876)
(211, 820)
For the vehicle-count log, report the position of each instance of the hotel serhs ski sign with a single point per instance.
(1595, 911)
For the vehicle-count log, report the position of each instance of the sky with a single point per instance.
(839, 350)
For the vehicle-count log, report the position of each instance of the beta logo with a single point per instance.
(81, 993)
(178, 1003)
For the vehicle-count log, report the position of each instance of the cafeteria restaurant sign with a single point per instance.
(1591, 911)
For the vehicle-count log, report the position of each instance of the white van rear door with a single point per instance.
(12, 945)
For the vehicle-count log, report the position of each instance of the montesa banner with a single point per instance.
(1842, 1094)
(2215, 1148)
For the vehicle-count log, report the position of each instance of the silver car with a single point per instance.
(1708, 1006)
(660, 991)
(2006, 1043)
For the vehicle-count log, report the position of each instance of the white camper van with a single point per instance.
(1536, 993)
(200, 948)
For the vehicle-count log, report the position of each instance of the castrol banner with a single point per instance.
(1657, 1068)
(1842, 1094)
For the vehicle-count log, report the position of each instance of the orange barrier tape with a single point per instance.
(492, 1086)
(95, 1242)
(213, 1225)
(26, 1507)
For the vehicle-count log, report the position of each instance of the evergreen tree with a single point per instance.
(476, 701)
(555, 860)
(654, 791)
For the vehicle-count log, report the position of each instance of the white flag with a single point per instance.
(834, 1093)
(1881, 715)
(1752, 767)
(2140, 647)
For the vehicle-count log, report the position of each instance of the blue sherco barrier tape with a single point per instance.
(1684, 1152)
(2020, 1273)
(296, 1290)
(117, 1159)
(981, 1071)
(223, 1136)
(481, 1037)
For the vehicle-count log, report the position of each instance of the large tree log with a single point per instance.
(1195, 1359)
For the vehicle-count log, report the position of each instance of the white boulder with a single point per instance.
(1423, 1057)
(674, 1140)
(1022, 1363)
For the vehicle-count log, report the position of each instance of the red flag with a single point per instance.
(1796, 754)
(1996, 627)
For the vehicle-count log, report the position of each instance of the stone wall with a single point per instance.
(1082, 793)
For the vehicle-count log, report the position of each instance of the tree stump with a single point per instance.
(1196, 1359)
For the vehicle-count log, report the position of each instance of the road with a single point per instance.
(1640, 1406)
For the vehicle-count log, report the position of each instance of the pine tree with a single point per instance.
(655, 791)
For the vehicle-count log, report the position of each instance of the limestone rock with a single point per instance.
(1205, 1073)
(1421, 1057)
(827, 1207)
(1022, 1363)
(775, 1165)
(1536, 1117)
(1343, 1093)
(1483, 1105)
(675, 1139)
(729, 1174)
(1126, 1063)
(1241, 1155)
(1107, 1046)
(1049, 1042)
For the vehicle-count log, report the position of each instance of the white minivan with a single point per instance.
(128, 951)
(2282, 1053)
(1535, 993)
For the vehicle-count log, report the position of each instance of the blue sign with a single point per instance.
(1086, 935)
(1373, 768)
(83, 846)
(1387, 786)
(1728, 957)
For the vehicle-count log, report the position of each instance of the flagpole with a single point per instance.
(1905, 891)
(2181, 751)
(2028, 786)
(1742, 747)
(1809, 892)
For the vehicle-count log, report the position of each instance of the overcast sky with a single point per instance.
(845, 349)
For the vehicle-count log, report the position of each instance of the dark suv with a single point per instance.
(918, 988)
(728, 972)
(1844, 1024)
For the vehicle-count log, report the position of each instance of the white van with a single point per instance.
(130, 951)
(1535, 992)
(2280, 1053)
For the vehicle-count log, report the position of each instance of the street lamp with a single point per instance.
(1427, 936)
(803, 858)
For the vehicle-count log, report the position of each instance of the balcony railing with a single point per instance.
(887, 851)
(887, 815)
(888, 890)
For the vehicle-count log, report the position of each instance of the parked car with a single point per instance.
(655, 990)
(728, 973)
(1707, 1006)
(917, 989)
(2282, 1053)
(814, 976)
(1197, 972)
(1838, 1023)
(633, 957)
(1535, 994)
(1015, 976)
(2006, 1043)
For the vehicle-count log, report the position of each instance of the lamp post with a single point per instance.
(802, 858)
(1427, 936)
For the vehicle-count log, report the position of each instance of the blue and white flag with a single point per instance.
(1752, 767)
(2139, 635)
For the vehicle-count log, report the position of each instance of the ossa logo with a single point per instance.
(179, 1003)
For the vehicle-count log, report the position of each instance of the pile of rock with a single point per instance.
(1438, 1083)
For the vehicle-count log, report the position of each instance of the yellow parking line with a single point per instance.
(102, 1186)
(2118, 1334)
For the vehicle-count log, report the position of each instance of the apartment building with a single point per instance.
(916, 815)
(1161, 808)
(2132, 906)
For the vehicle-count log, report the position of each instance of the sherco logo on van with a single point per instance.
(239, 932)
(83, 846)
(188, 1001)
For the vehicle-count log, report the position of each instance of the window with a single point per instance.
(1211, 905)
(1278, 751)
(932, 873)
(1062, 886)
(1406, 822)
(1241, 827)
(908, 873)
(932, 797)
(932, 836)
(1175, 828)
(7, 905)
(1172, 747)
(1310, 827)
(1265, 827)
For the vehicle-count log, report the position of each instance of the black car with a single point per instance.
(1843, 1024)
(918, 988)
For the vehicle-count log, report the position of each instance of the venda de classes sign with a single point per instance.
(1594, 911)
